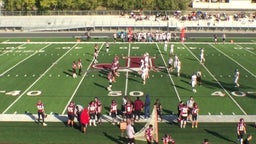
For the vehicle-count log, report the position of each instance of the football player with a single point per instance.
(202, 59)
(193, 82)
(113, 111)
(92, 113)
(79, 66)
(195, 112)
(41, 112)
(184, 115)
(149, 134)
(107, 47)
(74, 67)
(236, 78)
(241, 130)
(98, 105)
(71, 114)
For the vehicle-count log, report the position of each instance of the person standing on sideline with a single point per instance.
(195, 112)
(98, 105)
(215, 37)
(92, 113)
(71, 114)
(184, 116)
(84, 119)
(236, 78)
(79, 66)
(199, 77)
(149, 134)
(130, 132)
(138, 106)
(158, 108)
(241, 130)
(40, 112)
(113, 112)
(147, 107)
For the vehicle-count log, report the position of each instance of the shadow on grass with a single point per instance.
(219, 135)
(120, 140)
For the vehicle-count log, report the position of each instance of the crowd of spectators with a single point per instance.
(194, 15)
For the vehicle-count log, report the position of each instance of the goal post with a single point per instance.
(140, 135)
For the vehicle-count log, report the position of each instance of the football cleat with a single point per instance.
(44, 124)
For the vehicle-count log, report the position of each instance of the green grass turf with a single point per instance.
(32, 133)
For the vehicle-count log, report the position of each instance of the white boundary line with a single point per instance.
(175, 89)
(216, 81)
(36, 81)
(23, 60)
(80, 82)
(127, 72)
(233, 60)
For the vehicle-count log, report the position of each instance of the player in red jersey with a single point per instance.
(41, 112)
(241, 130)
(149, 134)
(184, 116)
(167, 139)
(79, 66)
(113, 111)
(138, 106)
(129, 110)
(74, 67)
(98, 105)
(71, 114)
(92, 113)
(195, 111)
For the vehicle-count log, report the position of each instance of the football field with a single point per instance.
(42, 69)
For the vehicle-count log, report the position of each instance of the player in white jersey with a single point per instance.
(175, 63)
(178, 68)
(172, 50)
(170, 64)
(144, 74)
(165, 45)
(236, 78)
(193, 82)
(202, 59)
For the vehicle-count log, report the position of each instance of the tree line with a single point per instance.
(52, 5)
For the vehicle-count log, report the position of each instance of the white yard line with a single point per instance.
(233, 60)
(36, 80)
(217, 81)
(22, 60)
(80, 82)
(14, 48)
(246, 49)
(175, 89)
(127, 72)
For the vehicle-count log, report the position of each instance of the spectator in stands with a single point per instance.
(147, 107)
(138, 106)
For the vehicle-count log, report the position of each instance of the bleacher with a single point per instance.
(108, 23)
